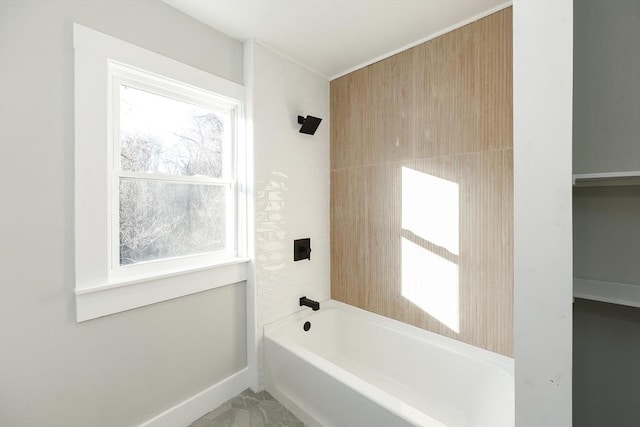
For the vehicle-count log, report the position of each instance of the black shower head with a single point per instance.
(309, 124)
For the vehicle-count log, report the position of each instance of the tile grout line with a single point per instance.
(365, 165)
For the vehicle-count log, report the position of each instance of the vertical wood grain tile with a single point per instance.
(444, 109)
(348, 237)
(350, 122)
(391, 105)
(446, 90)
(462, 171)
(495, 56)
(493, 250)
(382, 216)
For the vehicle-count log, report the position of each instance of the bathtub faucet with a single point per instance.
(315, 305)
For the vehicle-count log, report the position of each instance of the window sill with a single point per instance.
(110, 298)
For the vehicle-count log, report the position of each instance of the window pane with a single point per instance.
(164, 135)
(164, 220)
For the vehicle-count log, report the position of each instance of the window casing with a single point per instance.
(124, 78)
(114, 194)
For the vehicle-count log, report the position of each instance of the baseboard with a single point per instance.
(186, 412)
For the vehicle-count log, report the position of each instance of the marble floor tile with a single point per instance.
(249, 409)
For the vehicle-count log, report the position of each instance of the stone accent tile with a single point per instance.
(251, 394)
(267, 396)
(226, 419)
(255, 420)
(288, 415)
(272, 412)
(290, 423)
(249, 409)
(218, 411)
(201, 422)
(244, 402)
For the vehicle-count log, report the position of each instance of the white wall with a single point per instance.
(542, 102)
(606, 372)
(291, 185)
(606, 220)
(122, 369)
(606, 86)
(606, 129)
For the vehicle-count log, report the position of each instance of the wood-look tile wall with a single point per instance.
(443, 108)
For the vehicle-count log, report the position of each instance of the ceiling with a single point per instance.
(333, 37)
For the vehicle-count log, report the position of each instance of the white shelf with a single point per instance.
(614, 293)
(606, 179)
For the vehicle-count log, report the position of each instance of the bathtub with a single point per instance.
(358, 369)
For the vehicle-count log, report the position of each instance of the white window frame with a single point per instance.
(121, 74)
(103, 286)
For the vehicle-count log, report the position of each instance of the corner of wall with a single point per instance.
(542, 86)
(252, 327)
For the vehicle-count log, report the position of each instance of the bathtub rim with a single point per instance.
(274, 332)
(502, 362)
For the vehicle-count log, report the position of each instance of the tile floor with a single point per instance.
(249, 409)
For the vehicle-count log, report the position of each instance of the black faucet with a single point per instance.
(315, 305)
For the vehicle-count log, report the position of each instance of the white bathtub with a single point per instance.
(357, 369)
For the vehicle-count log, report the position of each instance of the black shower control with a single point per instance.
(301, 249)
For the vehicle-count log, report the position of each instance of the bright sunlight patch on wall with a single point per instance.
(430, 245)
(430, 208)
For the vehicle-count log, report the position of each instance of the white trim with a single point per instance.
(611, 292)
(164, 275)
(425, 39)
(252, 322)
(175, 179)
(542, 212)
(124, 75)
(186, 412)
(98, 291)
(95, 43)
(103, 300)
(168, 87)
(605, 179)
(153, 269)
